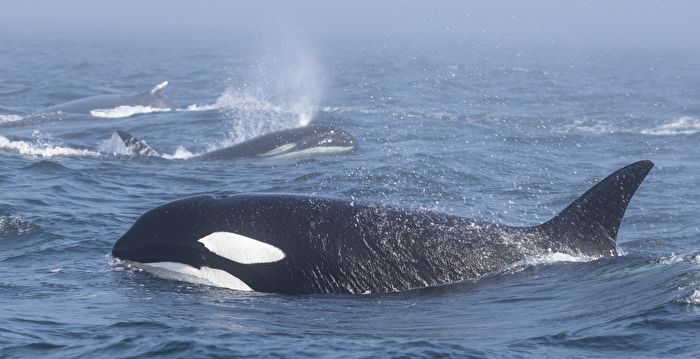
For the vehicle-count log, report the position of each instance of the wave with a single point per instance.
(126, 111)
(43, 150)
(690, 286)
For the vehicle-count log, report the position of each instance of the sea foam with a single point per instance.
(126, 111)
(684, 125)
(10, 118)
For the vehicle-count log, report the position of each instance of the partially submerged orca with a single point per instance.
(293, 244)
(313, 139)
(153, 99)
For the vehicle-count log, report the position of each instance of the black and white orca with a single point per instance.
(153, 98)
(309, 140)
(293, 244)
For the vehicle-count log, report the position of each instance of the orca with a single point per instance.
(295, 244)
(153, 99)
(309, 140)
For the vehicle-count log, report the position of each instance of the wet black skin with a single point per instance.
(301, 138)
(337, 246)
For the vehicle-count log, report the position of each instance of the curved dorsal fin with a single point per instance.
(136, 146)
(589, 225)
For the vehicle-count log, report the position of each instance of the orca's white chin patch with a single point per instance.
(321, 150)
(186, 273)
(241, 249)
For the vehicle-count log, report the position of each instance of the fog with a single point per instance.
(573, 23)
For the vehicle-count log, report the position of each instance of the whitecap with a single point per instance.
(684, 125)
(44, 150)
(591, 126)
(10, 118)
(548, 258)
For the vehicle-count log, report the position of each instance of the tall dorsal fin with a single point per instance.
(589, 225)
(157, 90)
(136, 146)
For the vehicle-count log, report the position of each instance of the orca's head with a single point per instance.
(326, 137)
(168, 233)
(197, 232)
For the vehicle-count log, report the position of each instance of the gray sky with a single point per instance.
(612, 22)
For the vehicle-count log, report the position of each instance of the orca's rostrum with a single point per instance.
(295, 244)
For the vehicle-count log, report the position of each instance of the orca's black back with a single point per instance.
(334, 246)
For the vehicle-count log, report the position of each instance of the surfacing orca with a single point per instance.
(294, 244)
(153, 98)
(309, 140)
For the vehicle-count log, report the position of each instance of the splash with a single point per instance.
(15, 225)
(672, 259)
(115, 146)
(281, 91)
(181, 153)
(694, 298)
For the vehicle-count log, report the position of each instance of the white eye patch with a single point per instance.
(241, 249)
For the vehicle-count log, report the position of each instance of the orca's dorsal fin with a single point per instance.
(589, 225)
(157, 90)
(136, 146)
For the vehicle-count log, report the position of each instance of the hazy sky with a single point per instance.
(606, 22)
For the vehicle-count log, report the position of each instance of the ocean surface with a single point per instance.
(508, 134)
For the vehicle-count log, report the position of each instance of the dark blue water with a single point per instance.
(508, 134)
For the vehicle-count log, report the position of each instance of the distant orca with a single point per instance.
(153, 98)
(313, 139)
(297, 244)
